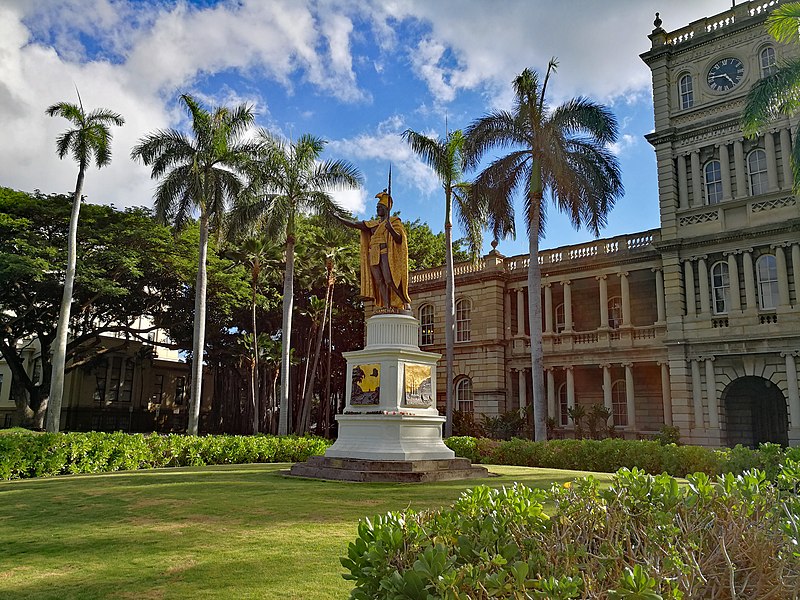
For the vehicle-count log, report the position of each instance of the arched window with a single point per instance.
(757, 171)
(713, 177)
(619, 403)
(720, 287)
(463, 308)
(563, 415)
(464, 400)
(767, 271)
(767, 61)
(686, 90)
(615, 312)
(426, 325)
(560, 319)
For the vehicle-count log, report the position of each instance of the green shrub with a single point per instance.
(645, 537)
(24, 455)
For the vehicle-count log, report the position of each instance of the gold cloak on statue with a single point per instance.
(397, 255)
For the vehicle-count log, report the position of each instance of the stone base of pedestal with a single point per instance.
(390, 437)
(387, 471)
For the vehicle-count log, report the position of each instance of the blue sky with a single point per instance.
(356, 72)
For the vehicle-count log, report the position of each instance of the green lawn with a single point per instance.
(234, 531)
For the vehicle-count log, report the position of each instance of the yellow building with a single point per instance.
(695, 324)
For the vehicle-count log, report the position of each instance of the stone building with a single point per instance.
(695, 324)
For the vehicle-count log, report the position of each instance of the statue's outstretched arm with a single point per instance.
(353, 224)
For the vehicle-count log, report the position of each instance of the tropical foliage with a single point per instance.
(88, 141)
(561, 154)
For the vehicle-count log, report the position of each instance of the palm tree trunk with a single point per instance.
(254, 374)
(285, 415)
(59, 359)
(449, 317)
(327, 417)
(309, 391)
(535, 315)
(198, 345)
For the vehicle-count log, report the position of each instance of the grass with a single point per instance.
(233, 531)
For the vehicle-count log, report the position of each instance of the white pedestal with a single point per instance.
(391, 397)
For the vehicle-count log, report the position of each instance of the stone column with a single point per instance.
(749, 280)
(783, 276)
(666, 393)
(772, 163)
(697, 394)
(697, 181)
(626, 299)
(786, 163)
(688, 287)
(523, 388)
(567, 305)
(603, 283)
(725, 171)
(711, 394)
(796, 272)
(551, 393)
(520, 311)
(794, 395)
(570, 387)
(738, 164)
(607, 400)
(683, 187)
(548, 308)
(629, 395)
(733, 274)
(702, 278)
(660, 308)
(507, 314)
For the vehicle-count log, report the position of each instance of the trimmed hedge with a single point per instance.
(24, 455)
(610, 455)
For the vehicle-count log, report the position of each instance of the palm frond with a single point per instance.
(584, 117)
(783, 21)
(770, 97)
(495, 130)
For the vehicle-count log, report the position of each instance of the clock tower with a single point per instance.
(730, 230)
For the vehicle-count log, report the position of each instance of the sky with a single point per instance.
(354, 72)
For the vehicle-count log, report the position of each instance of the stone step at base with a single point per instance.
(384, 471)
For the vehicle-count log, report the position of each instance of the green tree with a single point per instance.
(446, 158)
(88, 141)
(203, 172)
(561, 151)
(779, 93)
(291, 178)
(426, 249)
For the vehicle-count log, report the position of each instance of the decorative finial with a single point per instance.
(494, 244)
(657, 22)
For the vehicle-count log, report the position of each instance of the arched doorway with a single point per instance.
(756, 412)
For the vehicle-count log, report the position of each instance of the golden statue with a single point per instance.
(384, 257)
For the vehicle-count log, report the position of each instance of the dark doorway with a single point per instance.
(756, 412)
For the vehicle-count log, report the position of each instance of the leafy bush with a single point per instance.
(645, 537)
(24, 455)
(612, 454)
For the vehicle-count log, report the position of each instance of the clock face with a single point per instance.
(725, 74)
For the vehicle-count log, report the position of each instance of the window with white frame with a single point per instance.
(713, 182)
(563, 405)
(720, 288)
(686, 90)
(615, 312)
(767, 61)
(463, 326)
(464, 399)
(426, 325)
(619, 403)
(560, 319)
(757, 171)
(767, 273)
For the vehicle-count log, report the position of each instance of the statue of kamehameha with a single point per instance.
(384, 256)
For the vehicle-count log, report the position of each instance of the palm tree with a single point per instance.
(291, 180)
(255, 252)
(561, 151)
(89, 140)
(778, 93)
(446, 158)
(203, 172)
